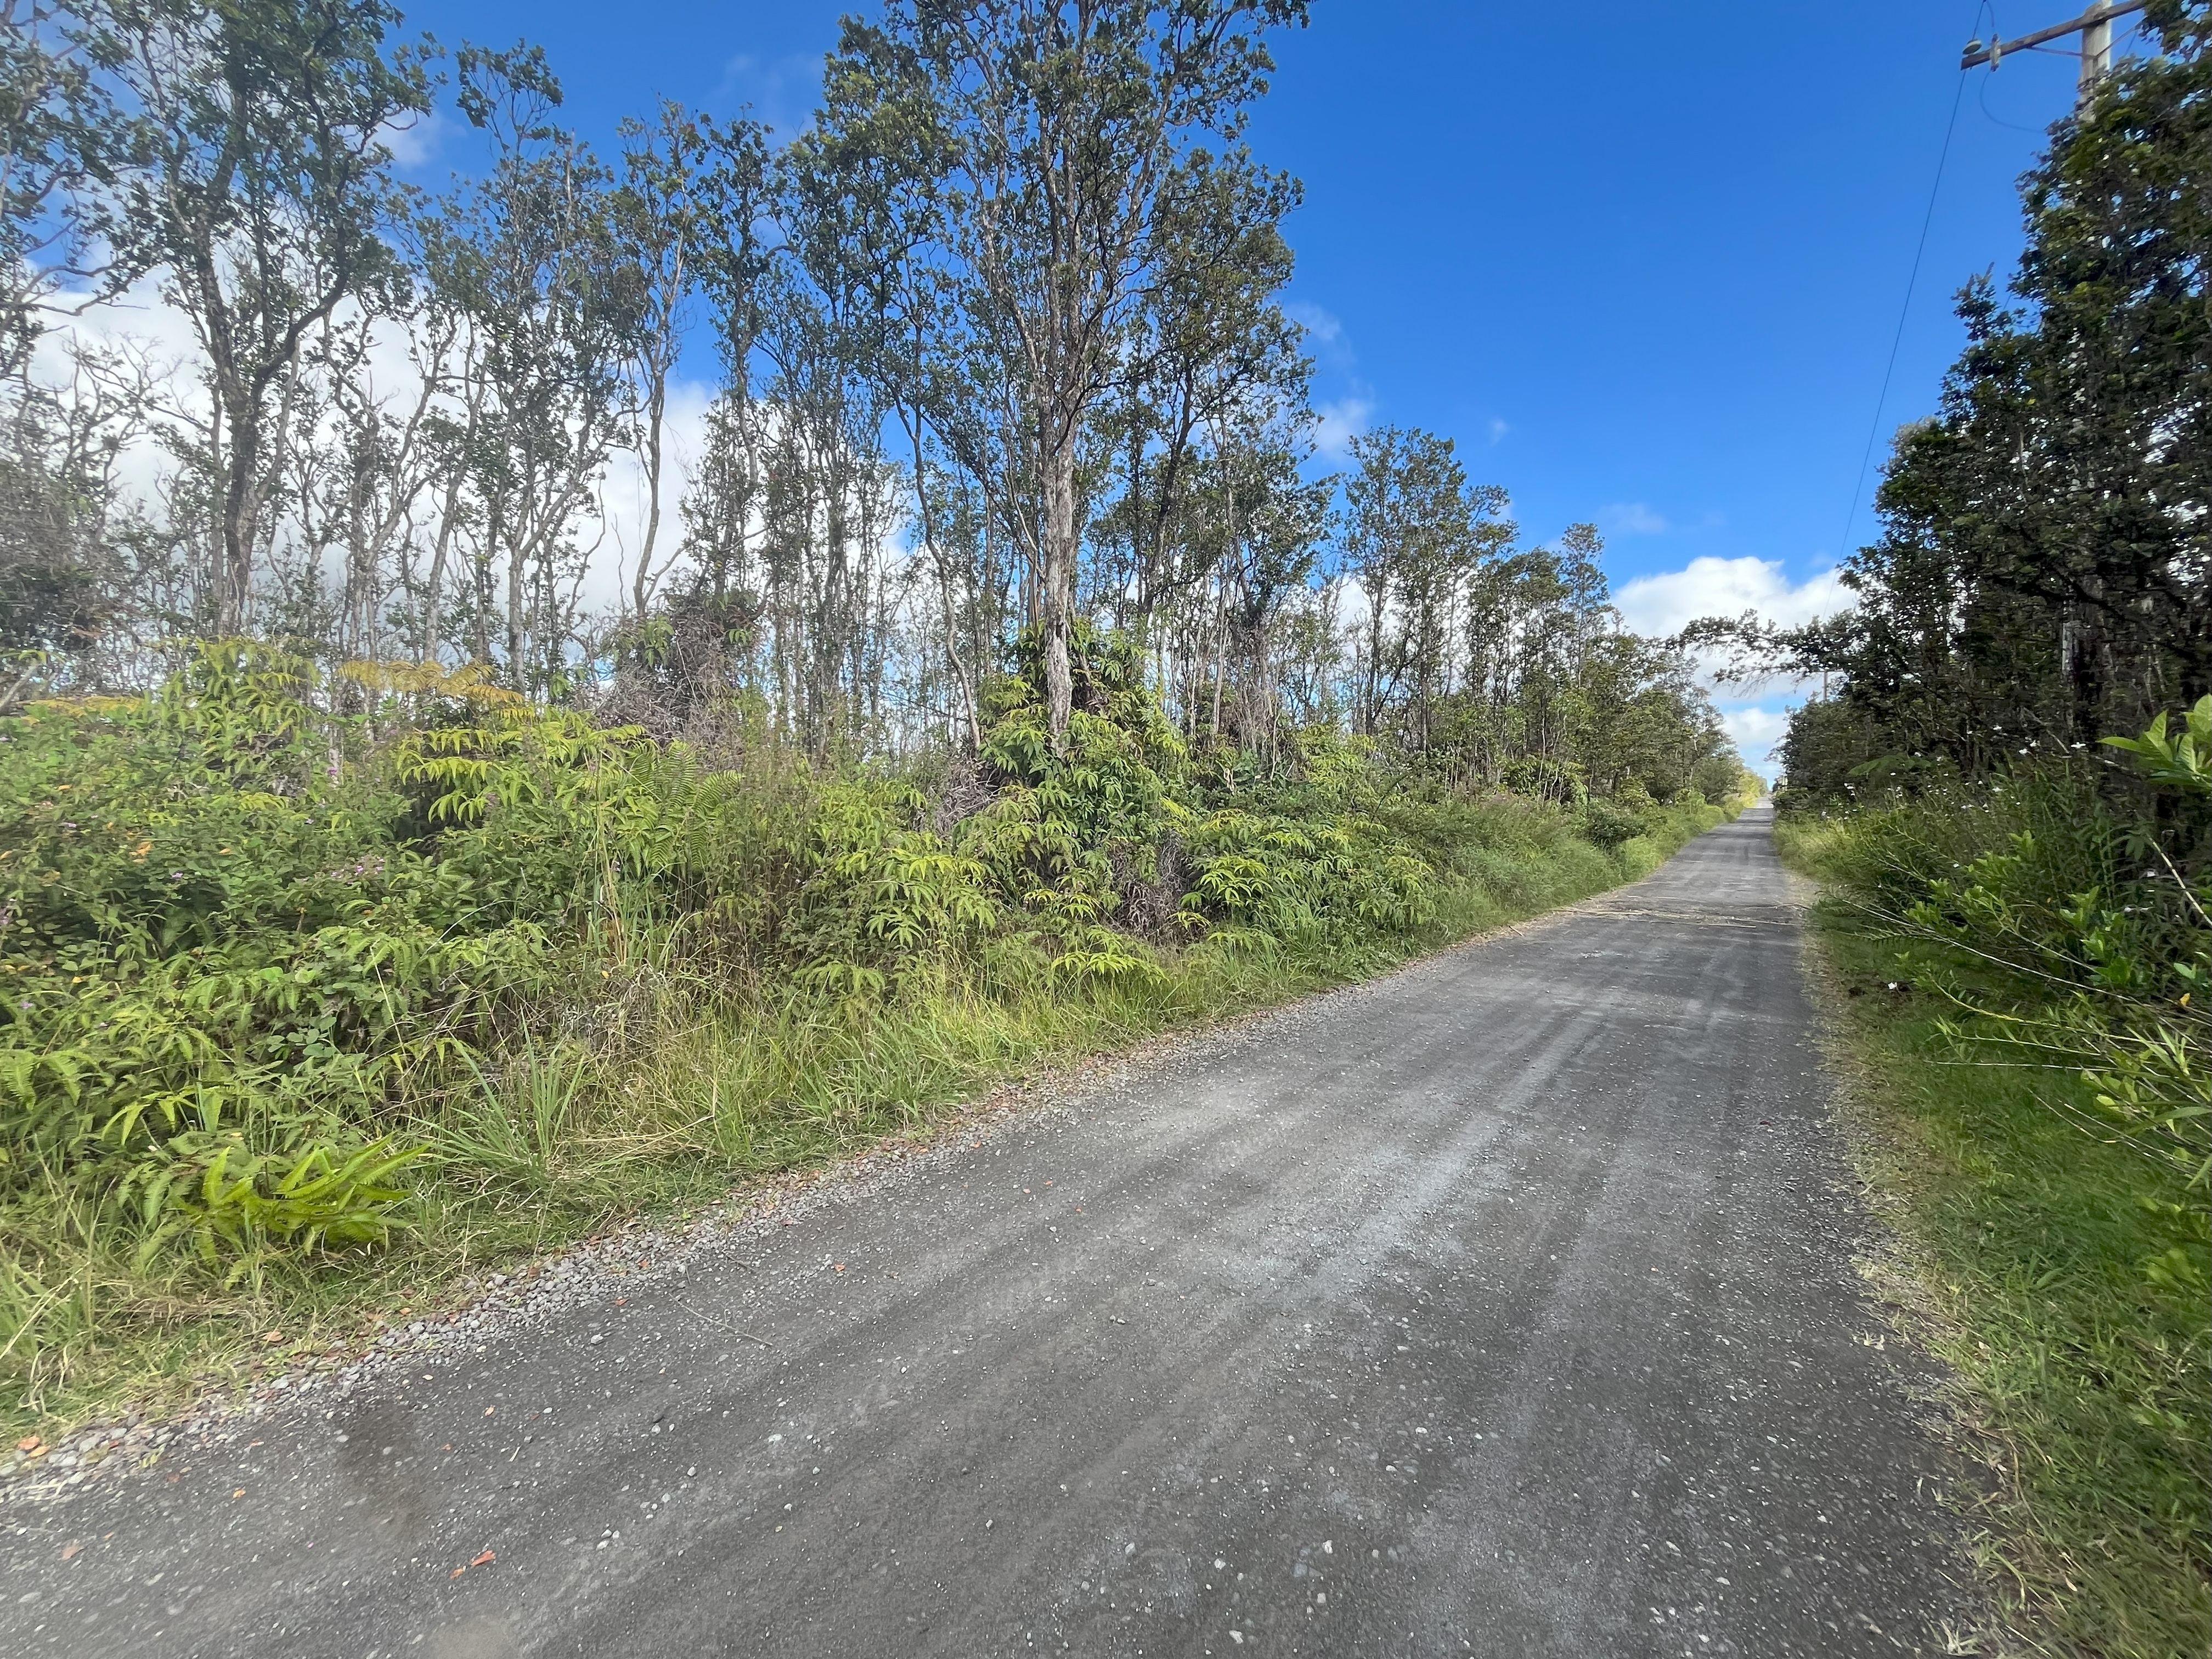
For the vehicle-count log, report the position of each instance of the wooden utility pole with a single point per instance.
(2095, 28)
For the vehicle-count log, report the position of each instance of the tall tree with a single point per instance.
(662, 212)
(2045, 572)
(865, 209)
(255, 184)
(1211, 348)
(555, 302)
(1064, 126)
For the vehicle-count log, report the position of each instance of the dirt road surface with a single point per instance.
(1505, 1305)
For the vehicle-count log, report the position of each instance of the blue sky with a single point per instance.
(1645, 262)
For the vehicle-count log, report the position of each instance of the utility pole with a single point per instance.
(2095, 28)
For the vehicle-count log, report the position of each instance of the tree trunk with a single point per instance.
(517, 672)
(656, 411)
(234, 589)
(1058, 582)
(911, 419)
(1370, 694)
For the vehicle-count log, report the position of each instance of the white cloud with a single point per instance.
(1337, 423)
(1755, 729)
(780, 92)
(1497, 429)
(415, 140)
(1323, 325)
(1661, 603)
(138, 315)
(1631, 518)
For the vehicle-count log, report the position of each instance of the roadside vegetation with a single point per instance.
(444, 807)
(311, 1015)
(2032, 1094)
(2007, 795)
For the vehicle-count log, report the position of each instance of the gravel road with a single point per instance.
(1505, 1305)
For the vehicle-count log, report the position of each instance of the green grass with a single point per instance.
(664, 1096)
(2058, 1278)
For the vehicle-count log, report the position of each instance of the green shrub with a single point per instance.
(2040, 946)
(1611, 823)
(2065, 934)
(284, 988)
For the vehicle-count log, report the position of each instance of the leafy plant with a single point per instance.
(2181, 762)
(2057, 947)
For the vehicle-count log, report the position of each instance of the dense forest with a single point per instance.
(440, 811)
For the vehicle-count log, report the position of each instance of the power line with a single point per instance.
(2094, 26)
(1874, 431)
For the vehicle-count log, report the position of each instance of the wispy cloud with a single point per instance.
(1336, 424)
(781, 92)
(1631, 519)
(1322, 325)
(1497, 430)
(415, 142)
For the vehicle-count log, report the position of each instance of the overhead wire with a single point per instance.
(1996, 119)
(1904, 311)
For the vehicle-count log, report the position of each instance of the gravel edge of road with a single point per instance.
(1894, 1274)
(506, 1304)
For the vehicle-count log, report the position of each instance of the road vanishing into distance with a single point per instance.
(1505, 1305)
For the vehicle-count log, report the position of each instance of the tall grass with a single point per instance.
(2030, 1265)
(1996, 953)
(308, 1026)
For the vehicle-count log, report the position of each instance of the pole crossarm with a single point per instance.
(1976, 54)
